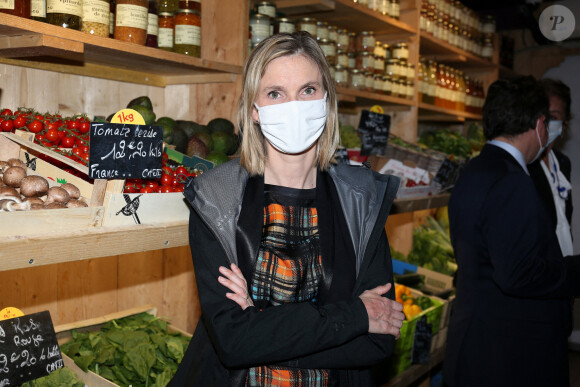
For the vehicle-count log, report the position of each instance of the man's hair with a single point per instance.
(513, 106)
(557, 88)
(253, 149)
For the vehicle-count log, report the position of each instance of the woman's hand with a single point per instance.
(234, 280)
(385, 315)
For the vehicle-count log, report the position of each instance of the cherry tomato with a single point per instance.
(85, 157)
(147, 190)
(77, 151)
(20, 122)
(179, 188)
(130, 188)
(36, 126)
(165, 189)
(71, 124)
(152, 183)
(84, 125)
(7, 125)
(62, 134)
(167, 170)
(166, 180)
(52, 125)
(6, 112)
(67, 142)
(52, 136)
(84, 148)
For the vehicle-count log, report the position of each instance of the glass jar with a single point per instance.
(410, 89)
(387, 85)
(260, 25)
(410, 71)
(96, 17)
(308, 24)
(284, 24)
(112, 10)
(357, 79)
(321, 30)
(373, 4)
(369, 81)
(351, 60)
(487, 46)
(379, 67)
(400, 51)
(342, 58)
(152, 25)
(430, 22)
(395, 87)
(340, 75)
(378, 83)
(329, 49)
(170, 6)
(392, 68)
(194, 5)
(266, 8)
(365, 61)
(361, 2)
(387, 51)
(488, 24)
(131, 21)
(342, 40)
(378, 50)
(332, 33)
(166, 27)
(394, 9)
(351, 42)
(365, 41)
(37, 10)
(67, 14)
(187, 35)
(19, 8)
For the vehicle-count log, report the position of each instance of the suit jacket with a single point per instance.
(512, 313)
(543, 185)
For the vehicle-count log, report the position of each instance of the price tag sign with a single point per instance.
(446, 175)
(121, 151)
(374, 127)
(422, 341)
(28, 348)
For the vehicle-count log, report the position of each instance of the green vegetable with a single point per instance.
(62, 377)
(424, 302)
(446, 141)
(136, 350)
(432, 248)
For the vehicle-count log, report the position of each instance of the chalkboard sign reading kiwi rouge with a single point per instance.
(28, 349)
(121, 151)
(375, 132)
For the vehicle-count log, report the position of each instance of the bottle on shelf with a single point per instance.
(187, 37)
(38, 10)
(152, 25)
(166, 27)
(131, 21)
(65, 13)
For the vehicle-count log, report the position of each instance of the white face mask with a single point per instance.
(554, 131)
(292, 127)
(542, 147)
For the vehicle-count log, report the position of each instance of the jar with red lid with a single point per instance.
(365, 41)
(187, 35)
(166, 27)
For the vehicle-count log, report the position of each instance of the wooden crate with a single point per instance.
(63, 335)
(55, 220)
(150, 208)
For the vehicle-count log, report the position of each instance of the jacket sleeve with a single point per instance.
(244, 338)
(366, 349)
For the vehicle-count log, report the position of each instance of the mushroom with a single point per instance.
(4, 166)
(16, 163)
(13, 204)
(33, 185)
(36, 206)
(9, 191)
(72, 190)
(57, 195)
(34, 200)
(54, 205)
(13, 176)
(75, 203)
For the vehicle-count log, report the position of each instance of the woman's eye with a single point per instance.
(274, 95)
(309, 91)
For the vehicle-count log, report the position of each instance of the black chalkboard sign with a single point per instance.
(28, 349)
(446, 175)
(374, 128)
(422, 341)
(121, 151)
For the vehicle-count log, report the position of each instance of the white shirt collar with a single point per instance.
(512, 150)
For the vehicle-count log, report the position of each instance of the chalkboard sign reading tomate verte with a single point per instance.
(121, 151)
(28, 349)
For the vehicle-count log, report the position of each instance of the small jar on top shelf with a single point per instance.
(166, 29)
(96, 17)
(38, 10)
(187, 37)
(131, 17)
(65, 13)
(152, 25)
(19, 8)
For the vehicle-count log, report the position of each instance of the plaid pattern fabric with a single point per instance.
(288, 269)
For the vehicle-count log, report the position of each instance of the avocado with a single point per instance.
(217, 157)
(221, 125)
(196, 147)
(146, 113)
(191, 127)
(225, 142)
(206, 138)
(141, 101)
(180, 140)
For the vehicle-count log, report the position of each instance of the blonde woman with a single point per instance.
(290, 254)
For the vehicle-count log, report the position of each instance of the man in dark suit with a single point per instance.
(512, 312)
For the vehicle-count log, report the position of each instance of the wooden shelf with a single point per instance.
(440, 51)
(30, 43)
(340, 13)
(348, 95)
(428, 112)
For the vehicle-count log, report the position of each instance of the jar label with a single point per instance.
(368, 62)
(260, 31)
(333, 35)
(267, 10)
(189, 35)
(368, 41)
(286, 27)
(96, 11)
(129, 15)
(351, 62)
(322, 33)
(152, 24)
(379, 64)
(343, 40)
(7, 4)
(311, 29)
(342, 60)
(165, 38)
(401, 53)
(70, 7)
(111, 23)
(329, 50)
(38, 8)
(341, 76)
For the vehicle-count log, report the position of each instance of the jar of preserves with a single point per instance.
(487, 46)
(332, 33)
(351, 42)
(308, 24)
(387, 85)
(378, 50)
(361, 2)
(131, 21)
(166, 27)
(194, 5)
(410, 71)
(488, 24)
(400, 51)
(284, 24)
(329, 49)
(37, 10)
(369, 81)
(365, 41)
(378, 83)
(152, 25)
(170, 6)
(260, 26)
(266, 8)
(112, 10)
(387, 51)
(365, 61)
(96, 17)
(187, 35)
(392, 68)
(409, 89)
(342, 58)
(394, 9)
(64, 13)
(342, 41)
(19, 8)
(321, 30)
(379, 67)
(340, 75)
(351, 60)
(357, 79)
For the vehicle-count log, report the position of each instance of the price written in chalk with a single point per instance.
(28, 349)
(120, 151)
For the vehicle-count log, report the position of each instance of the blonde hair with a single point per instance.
(253, 146)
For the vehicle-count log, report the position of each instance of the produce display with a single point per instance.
(412, 305)
(21, 192)
(446, 141)
(133, 351)
(349, 137)
(62, 377)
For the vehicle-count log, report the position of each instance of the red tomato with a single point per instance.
(52, 125)
(85, 148)
(7, 125)
(166, 180)
(147, 190)
(152, 183)
(165, 189)
(84, 125)
(85, 157)
(6, 112)
(71, 124)
(167, 170)
(67, 142)
(36, 126)
(130, 188)
(179, 188)
(77, 151)
(52, 136)
(62, 134)
(20, 122)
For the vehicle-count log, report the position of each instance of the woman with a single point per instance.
(299, 242)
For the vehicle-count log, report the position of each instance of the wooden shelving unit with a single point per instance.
(362, 97)
(441, 51)
(428, 112)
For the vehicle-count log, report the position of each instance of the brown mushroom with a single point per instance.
(72, 190)
(13, 176)
(34, 200)
(75, 203)
(57, 195)
(36, 206)
(4, 166)
(9, 191)
(54, 205)
(13, 204)
(33, 185)
(17, 163)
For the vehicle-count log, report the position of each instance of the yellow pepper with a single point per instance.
(411, 311)
(403, 294)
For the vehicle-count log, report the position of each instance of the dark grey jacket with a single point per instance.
(228, 340)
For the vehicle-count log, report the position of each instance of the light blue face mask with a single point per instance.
(554, 131)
